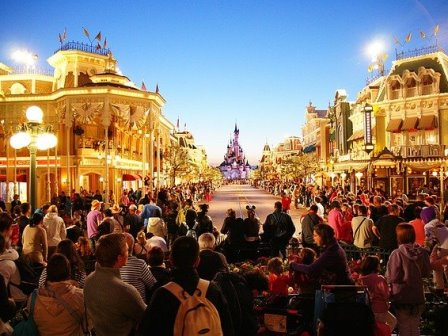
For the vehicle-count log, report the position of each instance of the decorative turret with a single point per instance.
(235, 165)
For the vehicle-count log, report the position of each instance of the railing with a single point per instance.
(419, 151)
(394, 94)
(417, 52)
(427, 89)
(27, 70)
(90, 48)
(411, 92)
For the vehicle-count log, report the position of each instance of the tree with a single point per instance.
(178, 161)
(299, 166)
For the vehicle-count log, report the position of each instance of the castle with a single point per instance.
(235, 166)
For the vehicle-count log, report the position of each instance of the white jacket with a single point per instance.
(55, 227)
(10, 273)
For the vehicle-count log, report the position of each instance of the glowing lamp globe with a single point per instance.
(34, 114)
(20, 140)
(46, 141)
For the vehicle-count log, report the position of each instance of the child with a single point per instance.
(378, 290)
(305, 284)
(278, 280)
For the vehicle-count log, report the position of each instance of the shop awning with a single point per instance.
(19, 178)
(394, 125)
(384, 163)
(410, 124)
(427, 122)
(131, 177)
(309, 148)
(356, 135)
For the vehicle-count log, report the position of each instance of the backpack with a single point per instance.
(192, 232)
(29, 278)
(196, 314)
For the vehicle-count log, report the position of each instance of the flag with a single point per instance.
(436, 30)
(105, 43)
(185, 126)
(60, 38)
(177, 124)
(157, 88)
(64, 35)
(86, 33)
(98, 46)
(408, 37)
(370, 68)
(396, 41)
(422, 34)
(143, 87)
(98, 36)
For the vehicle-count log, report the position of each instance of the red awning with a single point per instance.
(19, 178)
(131, 177)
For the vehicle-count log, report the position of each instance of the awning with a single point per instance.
(19, 178)
(356, 135)
(427, 122)
(410, 124)
(384, 163)
(131, 177)
(309, 148)
(394, 125)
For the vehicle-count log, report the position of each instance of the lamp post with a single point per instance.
(35, 136)
(343, 176)
(368, 144)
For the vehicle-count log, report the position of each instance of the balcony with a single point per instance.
(419, 151)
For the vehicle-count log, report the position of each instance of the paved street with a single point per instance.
(237, 196)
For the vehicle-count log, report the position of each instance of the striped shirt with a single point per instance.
(79, 277)
(137, 273)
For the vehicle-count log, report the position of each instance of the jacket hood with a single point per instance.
(9, 254)
(51, 215)
(433, 222)
(411, 251)
(46, 296)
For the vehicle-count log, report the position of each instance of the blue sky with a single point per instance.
(257, 63)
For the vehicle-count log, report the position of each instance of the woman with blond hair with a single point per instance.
(141, 246)
(55, 227)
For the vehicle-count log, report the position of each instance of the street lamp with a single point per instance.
(368, 144)
(343, 176)
(35, 136)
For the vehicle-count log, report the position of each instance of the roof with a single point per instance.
(356, 135)
(409, 124)
(427, 122)
(394, 125)
(321, 113)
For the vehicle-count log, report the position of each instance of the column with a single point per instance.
(158, 159)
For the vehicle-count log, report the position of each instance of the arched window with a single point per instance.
(17, 88)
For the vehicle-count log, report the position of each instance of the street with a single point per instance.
(237, 196)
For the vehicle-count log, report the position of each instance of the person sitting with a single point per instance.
(278, 279)
(67, 248)
(251, 225)
(34, 241)
(59, 306)
(205, 223)
(210, 261)
(304, 283)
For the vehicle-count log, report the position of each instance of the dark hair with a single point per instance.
(257, 280)
(275, 266)
(308, 255)
(155, 256)
(325, 232)
(25, 207)
(190, 215)
(5, 221)
(417, 211)
(17, 210)
(317, 199)
(108, 213)
(314, 208)
(405, 233)
(184, 252)
(362, 209)
(58, 268)
(67, 248)
(335, 204)
(278, 205)
(45, 206)
(370, 265)
(2, 244)
(36, 218)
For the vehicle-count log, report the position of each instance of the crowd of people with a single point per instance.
(134, 268)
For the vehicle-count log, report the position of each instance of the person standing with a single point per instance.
(94, 218)
(384, 228)
(132, 222)
(115, 306)
(278, 228)
(362, 229)
(335, 219)
(15, 201)
(407, 266)
(34, 241)
(55, 227)
(310, 220)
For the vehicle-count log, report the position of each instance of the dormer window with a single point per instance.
(427, 83)
(411, 87)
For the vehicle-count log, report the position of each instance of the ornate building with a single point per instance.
(235, 166)
(111, 134)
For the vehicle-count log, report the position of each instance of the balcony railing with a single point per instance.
(27, 70)
(419, 151)
(417, 52)
(90, 48)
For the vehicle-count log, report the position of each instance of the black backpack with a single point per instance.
(29, 276)
(239, 298)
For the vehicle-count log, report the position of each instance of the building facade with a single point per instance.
(111, 134)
